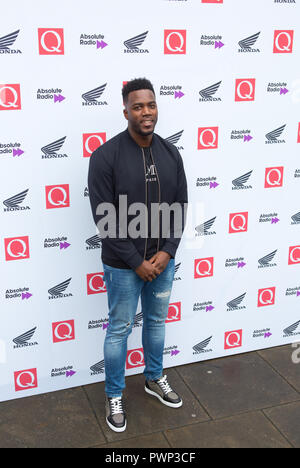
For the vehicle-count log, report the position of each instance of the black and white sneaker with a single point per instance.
(161, 389)
(115, 415)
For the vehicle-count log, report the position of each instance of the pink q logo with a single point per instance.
(175, 42)
(16, 248)
(174, 312)
(204, 267)
(10, 97)
(51, 41)
(294, 255)
(63, 331)
(238, 222)
(57, 196)
(25, 380)
(135, 358)
(208, 137)
(283, 42)
(266, 297)
(95, 283)
(92, 141)
(274, 177)
(245, 90)
(233, 339)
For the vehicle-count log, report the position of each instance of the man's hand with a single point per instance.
(160, 260)
(147, 271)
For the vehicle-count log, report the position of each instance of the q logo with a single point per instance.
(51, 41)
(135, 358)
(92, 141)
(233, 339)
(204, 267)
(274, 177)
(208, 137)
(245, 90)
(63, 331)
(174, 312)
(294, 255)
(175, 42)
(16, 248)
(266, 297)
(10, 97)
(238, 222)
(95, 283)
(25, 380)
(283, 42)
(57, 196)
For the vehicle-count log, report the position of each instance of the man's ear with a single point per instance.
(125, 113)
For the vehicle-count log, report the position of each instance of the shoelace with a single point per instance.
(116, 405)
(163, 383)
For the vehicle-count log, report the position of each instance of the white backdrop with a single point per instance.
(237, 284)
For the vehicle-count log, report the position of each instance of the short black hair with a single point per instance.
(136, 85)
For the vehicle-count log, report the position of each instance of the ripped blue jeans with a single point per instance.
(124, 287)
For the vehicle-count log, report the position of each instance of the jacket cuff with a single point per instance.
(135, 261)
(169, 248)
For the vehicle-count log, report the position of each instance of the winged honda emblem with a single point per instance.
(53, 147)
(98, 368)
(7, 41)
(289, 330)
(249, 41)
(136, 41)
(60, 288)
(202, 228)
(22, 339)
(16, 200)
(236, 302)
(267, 259)
(175, 138)
(208, 93)
(94, 94)
(296, 218)
(198, 348)
(94, 241)
(272, 136)
(138, 318)
(240, 181)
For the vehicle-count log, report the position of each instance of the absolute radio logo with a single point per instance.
(238, 222)
(274, 177)
(208, 138)
(206, 306)
(50, 151)
(283, 41)
(16, 248)
(245, 89)
(92, 141)
(19, 293)
(237, 262)
(95, 283)
(247, 45)
(25, 379)
(204, 267)
(207, 182)
(175, 41)
(51, 41)
(279, 87)
(13, 149)
(171, 90)
(134, 43)
(269, 218)
(60, 242)
(6, 43)
(93, 40)
(266, 297)
(90, 98)
(13, 203)
(208, 94)
(57, 196)
(10, 97)
(51, 94)
(233, 339)
(63, 331)
(212, 40)
(242, 135)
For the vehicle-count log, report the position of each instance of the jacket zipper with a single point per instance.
(159, 198)
(146, 191)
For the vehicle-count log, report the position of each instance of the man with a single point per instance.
(137, 252)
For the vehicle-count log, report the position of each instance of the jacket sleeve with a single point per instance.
(101, 190)
(173, 240)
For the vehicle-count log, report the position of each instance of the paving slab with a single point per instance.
(145, 413)
(156, 440)
(250, 430)
(62, 419)
(281, 358)
(287, 419)
(236, 384)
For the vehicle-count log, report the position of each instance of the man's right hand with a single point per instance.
(147, 271)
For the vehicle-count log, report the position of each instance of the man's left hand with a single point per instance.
(160, 260)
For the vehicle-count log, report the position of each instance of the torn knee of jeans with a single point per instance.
(162, 295)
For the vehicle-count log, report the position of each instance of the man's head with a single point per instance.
(140, 106)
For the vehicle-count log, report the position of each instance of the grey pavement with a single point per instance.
(247, 400)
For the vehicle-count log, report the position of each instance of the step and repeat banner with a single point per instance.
(226, 75)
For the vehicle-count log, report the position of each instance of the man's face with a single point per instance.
(141, 112)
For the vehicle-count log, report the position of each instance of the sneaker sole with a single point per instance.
(164, 402)
(116, 429)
